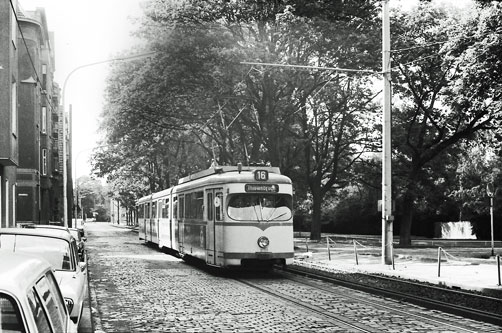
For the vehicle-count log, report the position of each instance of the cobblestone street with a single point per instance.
(136, 288)
(140, 289)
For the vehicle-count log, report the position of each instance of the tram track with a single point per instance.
(392, 285)
(337, 320)
(335, 304)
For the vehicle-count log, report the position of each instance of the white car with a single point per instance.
(59, 248)
(78, 234)
(30, 299)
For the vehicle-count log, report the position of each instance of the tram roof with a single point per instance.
(222, 174)
(224, 169)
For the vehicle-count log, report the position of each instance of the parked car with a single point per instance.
(76, 233)
(30, 298)
(59, 248)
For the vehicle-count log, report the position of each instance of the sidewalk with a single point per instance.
(460, 268)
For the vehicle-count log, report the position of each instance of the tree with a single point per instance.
(91, 195)
(438, 107)
(196, 95)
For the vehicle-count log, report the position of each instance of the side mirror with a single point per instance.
(84, 239)
(82, 265)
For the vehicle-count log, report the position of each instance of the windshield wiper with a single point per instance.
(256, 213)
(275, 218)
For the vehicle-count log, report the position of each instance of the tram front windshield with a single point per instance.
(260, 207)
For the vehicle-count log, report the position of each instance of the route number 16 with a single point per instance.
(261, 175)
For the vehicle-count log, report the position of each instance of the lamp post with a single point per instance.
(490, 191)
(65, 168)
(76, 183)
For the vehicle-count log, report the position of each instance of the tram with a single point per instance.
(227, 216)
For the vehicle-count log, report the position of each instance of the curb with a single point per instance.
(93, 304)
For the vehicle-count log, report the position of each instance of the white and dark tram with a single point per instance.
(226, 216)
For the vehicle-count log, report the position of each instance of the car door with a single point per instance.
(80, 272)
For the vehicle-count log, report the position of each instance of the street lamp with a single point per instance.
(65, 176)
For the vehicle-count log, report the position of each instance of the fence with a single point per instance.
(356, 245)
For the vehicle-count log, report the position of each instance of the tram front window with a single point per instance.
(260, 207)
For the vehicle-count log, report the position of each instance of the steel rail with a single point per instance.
(335, 319)
(414, 299)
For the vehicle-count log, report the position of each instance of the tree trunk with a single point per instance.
(315, 228)
(407, 219)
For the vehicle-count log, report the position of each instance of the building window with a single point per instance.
(13, 112)
(44, 77)
(44, 162)
(44, 119)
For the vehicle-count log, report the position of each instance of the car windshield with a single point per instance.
(260, 207)
(55, 251)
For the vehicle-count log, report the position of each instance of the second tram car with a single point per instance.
(226, 216)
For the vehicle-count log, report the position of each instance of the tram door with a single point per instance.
(213, 206)
(151, 226)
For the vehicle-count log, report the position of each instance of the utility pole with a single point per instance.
(387, 217)
(65, 167)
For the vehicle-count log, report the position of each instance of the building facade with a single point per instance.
(9, 133)
(30, 141)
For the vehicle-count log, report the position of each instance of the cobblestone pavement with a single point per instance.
(135, 288)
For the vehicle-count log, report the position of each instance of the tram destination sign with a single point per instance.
(269, 188)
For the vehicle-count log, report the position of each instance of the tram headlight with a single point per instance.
(263, 242)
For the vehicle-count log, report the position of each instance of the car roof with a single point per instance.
(19, 271)
(43, 232)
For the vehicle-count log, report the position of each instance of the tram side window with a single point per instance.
(194, 205)
(141, 211)
(188, 205)
(210, 205)
(181, 206)
(218, 206)
(175, 207)
(147, 210)
(154, 209)
(165, 209)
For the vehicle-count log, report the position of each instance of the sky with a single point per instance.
(87, 31)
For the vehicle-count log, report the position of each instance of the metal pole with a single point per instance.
(355, 251)
(491, 223)
(387, 217)
(439, 261)
(498, 268)
(327, 245)
(65, 168)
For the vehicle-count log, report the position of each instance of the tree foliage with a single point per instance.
(213, 90)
